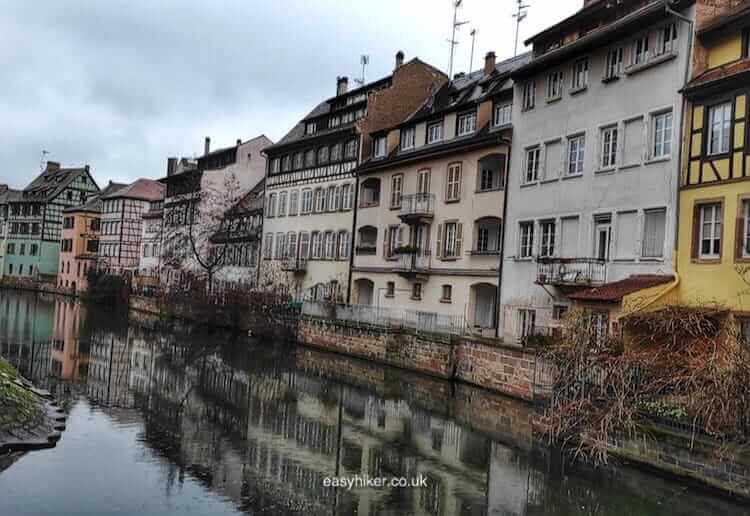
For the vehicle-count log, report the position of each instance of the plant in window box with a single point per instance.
(406, 249)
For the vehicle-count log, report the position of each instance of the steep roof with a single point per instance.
(614, 292)
(94, 202)
(9, 194)
(51, 182)
(143, 189)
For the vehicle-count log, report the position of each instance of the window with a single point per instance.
(350, 151)
(304, 245)
(453, 183)
(286, 163)
(502, 116)
(334, 121)
(745, 231)
(380, 146)
(580, 74)
(531, 173)
(554, 85)
(640, 50)
(710, 231)
(447, 293)
(346, 197)
(667, 39)
(547, 244)
(390, 289)
(613, 65)
(320, 200)
(280, 246)
(526, 322)
(310, 128)
(306, 201)
(408, 137)
(22, 250)
(416, 291)
(298, 160)
(34, 249)
(467, 123)
(268, 246)
(332, 201)
(576, 146)
(343, 245)
(68, 223)
(397, 182)
(336, 152)
(317, 245)
(529, 95)
(322, 155)
(526, 240)
(293, 202)
(719, 118)
(310, 158)
(491, 172)
(282, 204)
(653, 233)
(662, 131)
(558, 312)
(452, 240)
(270, 211)
(275, 164)
(609, 147)
(330, 245)
(435, 132)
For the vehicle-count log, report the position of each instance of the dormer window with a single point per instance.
(467, 123)
(580, 74)
(667, 39)
(640, 50)
(310, 158)
(350, 151)
(380, 146)
(275, 166)
(310, 128)
(286, 163)
(502, 115)
(298, 160)
(408, 138)
(613, 66)
(435, 132)
(334, 121)
(323, 155)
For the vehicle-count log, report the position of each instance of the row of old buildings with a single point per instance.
(608, 168)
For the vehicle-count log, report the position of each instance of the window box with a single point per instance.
(613, 78)
(578, 90)
(571, 176)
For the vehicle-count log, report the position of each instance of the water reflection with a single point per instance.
(259, 427)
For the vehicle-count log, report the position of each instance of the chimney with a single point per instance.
(171, 166)
(342, 85)
(489, 63)
(86, 168)
(207, 146)
(399, 59)
(53, 165)
(239, 142)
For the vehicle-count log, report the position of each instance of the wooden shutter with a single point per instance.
(459, 239)
(400, 237)
(739, 238)
(439, 247)
(386, 235)
(695, 247)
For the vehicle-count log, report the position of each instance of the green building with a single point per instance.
(34, 227)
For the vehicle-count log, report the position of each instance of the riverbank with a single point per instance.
(29, 417)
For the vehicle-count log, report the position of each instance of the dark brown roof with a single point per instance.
(143, 189)
(614, 292)
(52, 181)
(715, 77)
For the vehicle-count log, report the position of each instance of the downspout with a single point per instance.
(675, 250)
(506, 175)
(262, 223)
(354, 228)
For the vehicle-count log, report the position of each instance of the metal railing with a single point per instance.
(294, 264)
(387, 317)
(417, 205)
(413, 262)
(570, 271)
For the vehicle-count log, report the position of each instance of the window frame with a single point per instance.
(580, 79)
(555, 85)
(377, 151)
(668, 137)
(463, 129)
(662, 252)
(609, 149)
(395, 203)
(408, 138)
(709, 126)
(498, 109)
(714, 223)
(537, 150)
(547, 239)
(453, 183)
(526, 242)
(580, 152)
(613, 65)
(432, 125)
(529, 95)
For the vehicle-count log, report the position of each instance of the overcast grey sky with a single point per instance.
(122, 84)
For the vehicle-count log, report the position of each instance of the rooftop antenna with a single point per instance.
(519, 16)
(452, 41)
(44, 155)
(471, 59)
(364, 60)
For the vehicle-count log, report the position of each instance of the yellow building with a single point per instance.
(714, 214)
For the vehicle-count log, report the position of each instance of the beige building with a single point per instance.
(430, 213)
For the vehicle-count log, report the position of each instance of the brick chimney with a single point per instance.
(342, 85)
(399, 59)
(489, 63)
(171, 166)
(207, 146)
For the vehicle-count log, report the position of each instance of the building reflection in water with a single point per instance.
(263, 426)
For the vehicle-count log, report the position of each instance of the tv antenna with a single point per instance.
(364, 60)
(44, 155)
(473, 34)
(519, 16)
(452, 41)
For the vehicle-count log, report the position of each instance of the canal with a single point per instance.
(186, 422)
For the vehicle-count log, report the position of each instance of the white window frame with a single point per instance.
(639, 50)
(503, 114)
(466, 123)
(554, 85)
(531, 165)
(347, 198)
(576, 154)
(529, 95)
(408, 138)
(380, 146)
(722, 127)
(614, 65)
(661, 137)
(282, 204)
(293, 202)
(580, 79)
(660, 253)
(453, 182)
(307, 201)
(609, 147)
(666, 39)
(526, 240)
(319, 199)
(397, 187)
(332, 198)
(350, 150)
(450, 240)
(435, 132)
(547, 229)
(343, 245)
(716, 227)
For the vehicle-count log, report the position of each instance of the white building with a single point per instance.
(151, 232)
(430, 216)
(595, 169)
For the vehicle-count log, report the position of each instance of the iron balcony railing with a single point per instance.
(413, 262)
(388, 317)
(570, 271)
(417, 205)
(294, 264)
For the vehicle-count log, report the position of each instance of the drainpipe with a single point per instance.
(675, 251)
(355, 208)
(502, 245)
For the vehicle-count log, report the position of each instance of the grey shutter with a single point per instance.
(459, 239)
(439, 250)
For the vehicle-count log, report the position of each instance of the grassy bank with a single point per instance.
(19, 408)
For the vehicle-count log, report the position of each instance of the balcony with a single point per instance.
(413, 265)
(366, 250)
(417, 208)
(295, 265)
(571, 271)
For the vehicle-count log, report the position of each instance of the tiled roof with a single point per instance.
(736, 13)
(51, 182)
(614, 292)
(144, 189)
(718, 74)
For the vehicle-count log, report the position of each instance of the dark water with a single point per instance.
(184, 422)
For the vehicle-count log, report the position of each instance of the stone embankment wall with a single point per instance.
(484, 363)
